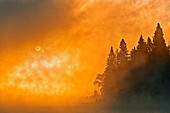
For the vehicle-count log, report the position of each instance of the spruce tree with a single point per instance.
(123, 53)
(149, 45)
(108, 73)
(110, 60)
(142, 47)
(159, 41)
(102, 79)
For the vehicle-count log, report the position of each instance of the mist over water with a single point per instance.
(51, 52)
(81, 109)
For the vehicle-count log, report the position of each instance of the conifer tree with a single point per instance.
(109, 72)
(110, 65)
(149, 45)
(158, 40)
(142, 47)
(110, 61)
(123, 53)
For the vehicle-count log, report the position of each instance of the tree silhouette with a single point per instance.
(142, 47)
(111, 64)
(109, 73)
(143, 74)
(149, 45)
(123, 53)
(159, 41)
(141, 51)
(110, 61)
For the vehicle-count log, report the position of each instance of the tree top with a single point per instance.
(111, 49)
(158, 26)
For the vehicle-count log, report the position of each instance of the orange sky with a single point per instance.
(75, 37)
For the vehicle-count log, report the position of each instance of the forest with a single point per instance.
(140, 75)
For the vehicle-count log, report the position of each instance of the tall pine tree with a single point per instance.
(123, 53)
(110, 60)
(142, 47)
(101, 79)
(159, 41)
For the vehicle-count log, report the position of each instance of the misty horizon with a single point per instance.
(82, 55)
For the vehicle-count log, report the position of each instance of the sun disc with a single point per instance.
(37, 48)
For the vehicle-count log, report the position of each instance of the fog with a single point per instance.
(75, 37)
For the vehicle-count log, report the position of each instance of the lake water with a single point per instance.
(84, 109)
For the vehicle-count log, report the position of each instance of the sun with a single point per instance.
(37, 48)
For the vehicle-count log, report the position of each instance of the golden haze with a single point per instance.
(74, 39)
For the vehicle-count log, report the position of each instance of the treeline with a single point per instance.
(139, 74)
